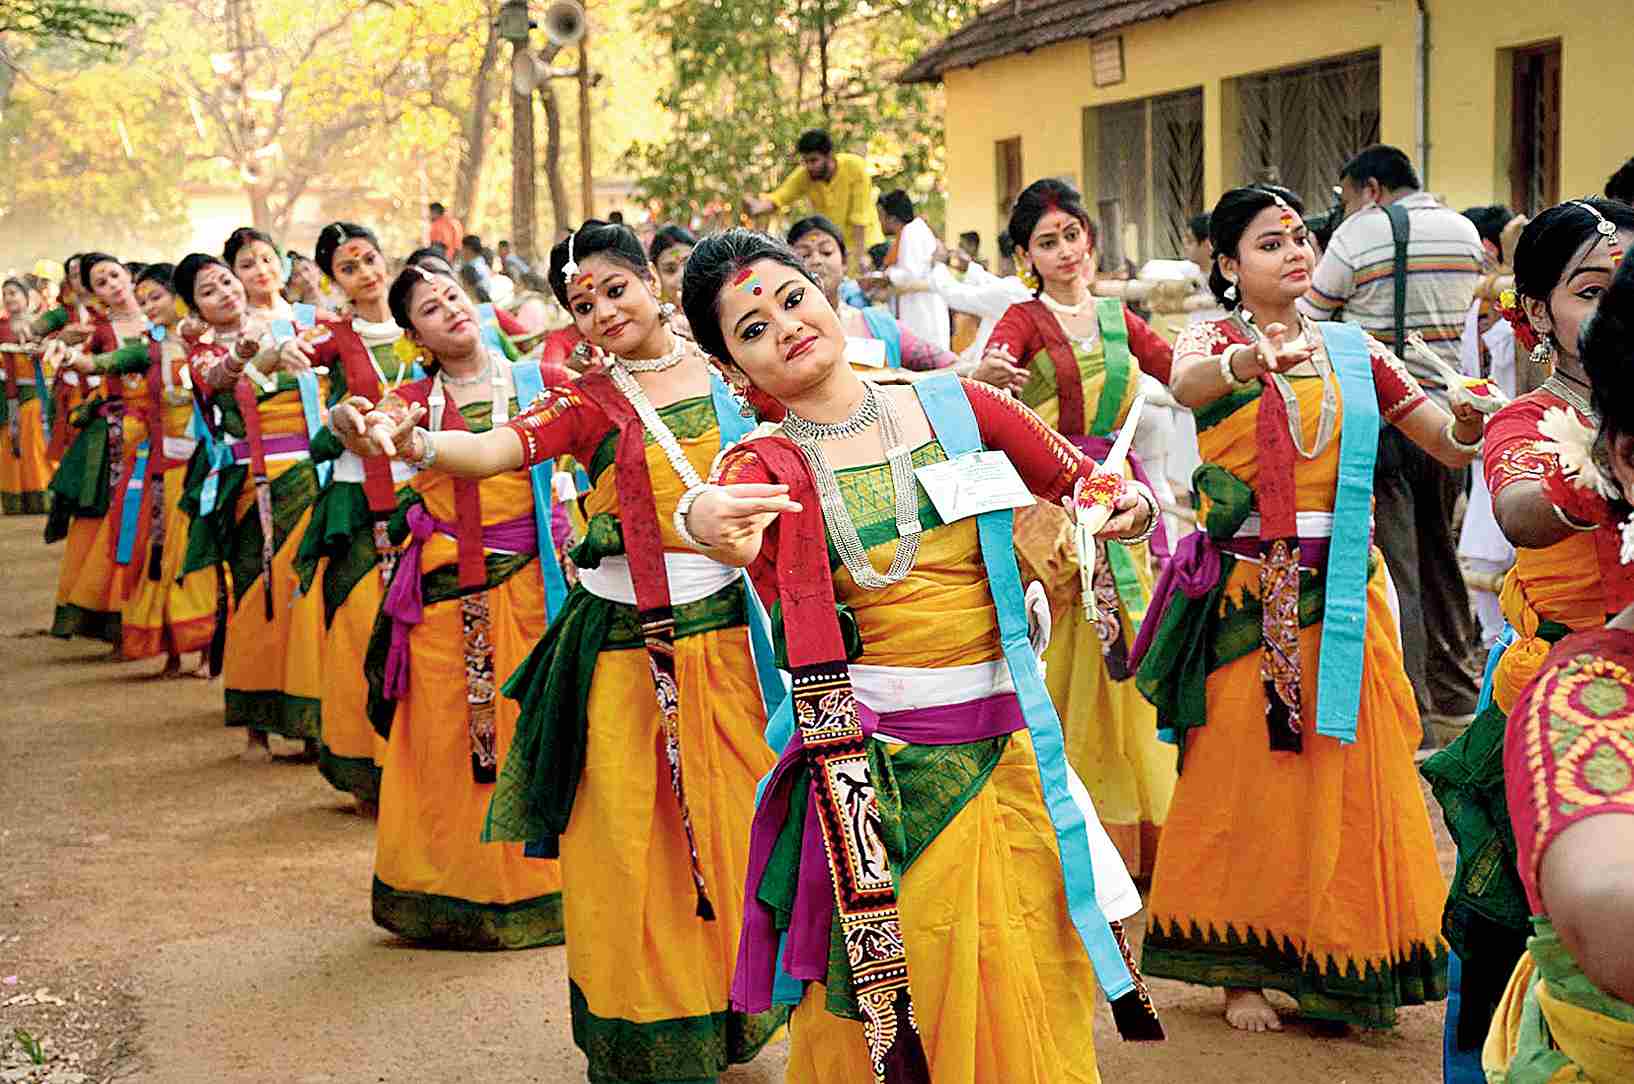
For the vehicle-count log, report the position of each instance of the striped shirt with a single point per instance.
(1356, 278)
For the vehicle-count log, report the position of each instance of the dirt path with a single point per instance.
(203, 920)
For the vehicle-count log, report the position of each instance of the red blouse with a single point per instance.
(1019, 330)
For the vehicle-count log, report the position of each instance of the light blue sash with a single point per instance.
(306, 382)
(530, 384)
(135, 486)
(883, 326)
(490, 326)
(774, 688)
(954, 424)
(1494, 657)
(1344, 614)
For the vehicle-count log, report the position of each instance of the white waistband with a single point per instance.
(180, 447)
(909, 688)
(692, 576)
(1309, 525)
(349, 468)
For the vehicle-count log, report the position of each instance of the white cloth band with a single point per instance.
(909, 688)
(180, 447)
(349, 468)
(692, 576)
(1309, 525)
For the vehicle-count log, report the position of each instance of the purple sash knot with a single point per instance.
(805, 957)
(405, 602)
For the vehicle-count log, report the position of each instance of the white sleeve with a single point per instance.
(915, 256)
(988, 298)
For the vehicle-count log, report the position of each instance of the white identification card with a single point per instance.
(974, 483)
(869, 353)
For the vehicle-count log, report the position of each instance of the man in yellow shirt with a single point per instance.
(838, 187)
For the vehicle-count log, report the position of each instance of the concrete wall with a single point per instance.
(1041, 96)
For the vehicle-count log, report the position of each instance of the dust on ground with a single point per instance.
(170, 915)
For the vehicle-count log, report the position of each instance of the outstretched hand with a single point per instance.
(727, 516)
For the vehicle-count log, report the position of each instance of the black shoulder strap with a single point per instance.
(1399, 230)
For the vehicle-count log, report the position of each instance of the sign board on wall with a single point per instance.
(1106, 60)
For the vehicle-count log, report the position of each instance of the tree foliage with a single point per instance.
(64, 22)
(750, 75)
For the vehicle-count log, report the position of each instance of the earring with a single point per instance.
(666, 311)
(1542, 353)
(1627, 554)
(741, 394)
(1028, 278)
(1231, 291)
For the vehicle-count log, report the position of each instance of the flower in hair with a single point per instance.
(1509, 307)
(1572, 442)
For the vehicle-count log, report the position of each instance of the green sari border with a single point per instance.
(70, 621)
(685, 1050)
(357, 776)
(270, 711)
(450, 922)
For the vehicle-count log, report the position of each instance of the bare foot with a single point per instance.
(256, 749)
(1247, 1010)
(366, 808)
(173, 667)
(202, 670)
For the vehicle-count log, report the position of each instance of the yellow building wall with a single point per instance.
(1041, 96)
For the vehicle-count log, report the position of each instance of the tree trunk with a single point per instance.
(474, 127)
(553, 161)
(523, 205)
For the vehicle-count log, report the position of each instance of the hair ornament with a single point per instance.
(1509, 307)
(1604, 228)
(571, 267)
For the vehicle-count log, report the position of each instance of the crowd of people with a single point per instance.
(805, 657)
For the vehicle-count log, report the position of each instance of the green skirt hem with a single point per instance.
(27, 503)
(1363, 993)
(294, 717)
(449, 922)
(357, 776)
(686, 1050)
(70, 621)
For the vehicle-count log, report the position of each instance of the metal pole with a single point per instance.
(587, 183)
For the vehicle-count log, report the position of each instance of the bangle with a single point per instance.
(684, 506)
(1473, 448)
(425, 460)
(1152, 520)
(1566, 518)
(1228, 374)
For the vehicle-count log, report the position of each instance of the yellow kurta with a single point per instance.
(1002, 987)
(24, 473)
(162, 615)
(1314, 872)
(644, 969)
(435, 881)
(90, 591)
(1110, 729)
(273, 669)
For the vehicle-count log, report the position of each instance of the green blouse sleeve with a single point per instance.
(129, 358)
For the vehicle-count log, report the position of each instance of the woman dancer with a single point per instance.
(1298, 853)
(164, 613)
(820, 244)
(258, 264)
(24, 472)
(250, 498)
(1568, 1014)
(641, 736)
(466, 602)
(961, 959)
(1084, 359)
(94, 469)
(668, 253)
(1566, 578)
(365, 354)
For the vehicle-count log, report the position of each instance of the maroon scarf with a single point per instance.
(1069, 382)
(1280, 666)
(358, 365)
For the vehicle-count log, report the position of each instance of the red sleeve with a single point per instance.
(1046, 461)
(103, 338)
(1015, 332)
(554, 373)
(560, 422)
(740, 465)
(1156, 356)
(559, 344)
(509, 324)
(1397, 390)
(1511, 453)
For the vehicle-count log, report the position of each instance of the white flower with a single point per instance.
(1572, 442)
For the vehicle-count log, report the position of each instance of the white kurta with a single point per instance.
(981, 293)
(1481, 542)
(922, 312)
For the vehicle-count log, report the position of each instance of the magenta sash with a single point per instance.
(287, 442)
(1098, 448)
(405, 602)
(805, 957)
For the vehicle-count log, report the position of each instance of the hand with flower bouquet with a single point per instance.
(1098, 502)
(1476, 393)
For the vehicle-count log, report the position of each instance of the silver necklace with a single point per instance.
(1329, 419)
(668, 360)
(467, 381)
(631, 389)
(841, 527)
(1557, 385)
